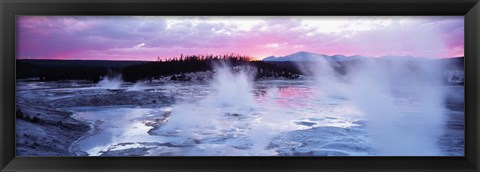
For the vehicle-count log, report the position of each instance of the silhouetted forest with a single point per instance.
(187, 64)
(56, 73)
(54, 70)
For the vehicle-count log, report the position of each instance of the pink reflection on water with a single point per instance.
(286, 96)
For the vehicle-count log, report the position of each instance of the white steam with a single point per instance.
(116, 82)
(233, 89)
(138, 86)
(230, 111)
(402, 100)
(231, 96)
(107, 82)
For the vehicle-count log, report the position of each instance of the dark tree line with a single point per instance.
(229, 57)
(174, 67)
(187, 64)
(181, 65)
(55, 73)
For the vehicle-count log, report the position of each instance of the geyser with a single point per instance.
(110, 82)
(402, 101)
(229, 112)
(231, 95)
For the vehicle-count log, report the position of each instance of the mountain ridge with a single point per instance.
(311, 56)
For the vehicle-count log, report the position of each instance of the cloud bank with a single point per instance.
(147, 37)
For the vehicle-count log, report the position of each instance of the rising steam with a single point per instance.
(231, 94)
(115, 82)
(401, 99)
(110, 82)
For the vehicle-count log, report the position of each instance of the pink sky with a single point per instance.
(148, 37)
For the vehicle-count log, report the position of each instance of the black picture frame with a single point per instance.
(11, 8)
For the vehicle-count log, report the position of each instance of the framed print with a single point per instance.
(240, 86)
(253, 85)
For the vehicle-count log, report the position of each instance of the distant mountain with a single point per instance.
(309, 56)
(270, 58)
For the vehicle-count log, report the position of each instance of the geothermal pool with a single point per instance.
(266, 118)
(234, 116)
(202, 124)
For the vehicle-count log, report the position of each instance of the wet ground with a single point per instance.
(285, 118)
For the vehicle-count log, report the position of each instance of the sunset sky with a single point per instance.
(148, 37)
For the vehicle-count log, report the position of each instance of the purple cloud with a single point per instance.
(146, 38)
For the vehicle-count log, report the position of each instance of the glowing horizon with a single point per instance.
(146, 38)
